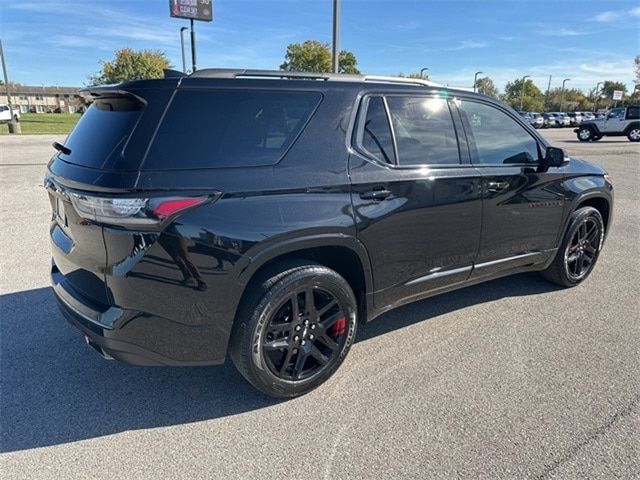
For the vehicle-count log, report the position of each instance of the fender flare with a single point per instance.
(630, 126)
(288, 246)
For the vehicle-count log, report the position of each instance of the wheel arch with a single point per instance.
(342, 253)
(601, 204)
(630, 126)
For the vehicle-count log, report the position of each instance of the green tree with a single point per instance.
(533, 98)
(486, 86)
(315, 56)
(605, 97)
(636, 69)
(129, 64)
(574, 99)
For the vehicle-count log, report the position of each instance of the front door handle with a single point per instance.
(380, 194)
(497, 186)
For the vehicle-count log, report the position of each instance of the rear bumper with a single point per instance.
(136, 337)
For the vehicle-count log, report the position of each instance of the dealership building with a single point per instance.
(42, 99)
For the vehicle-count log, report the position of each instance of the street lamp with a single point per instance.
(335, 51)
(184, 62)
(522, 91)
(562, 94)
(422, 70)
(595, 99)
(475, 81)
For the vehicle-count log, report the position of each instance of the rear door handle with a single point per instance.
(377, 194)
(497, 186)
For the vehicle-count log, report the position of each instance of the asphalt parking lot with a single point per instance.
(511, 379)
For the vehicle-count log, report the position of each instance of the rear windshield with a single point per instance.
(213, 129)
(102, 131)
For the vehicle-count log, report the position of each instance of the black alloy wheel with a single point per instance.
(582, 249)
(294, 328)
(305, 334)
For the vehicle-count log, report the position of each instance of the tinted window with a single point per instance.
(208, 129)
(633, 113)
(497, 138)
(376, 137)
(102, 131)
(424, 131)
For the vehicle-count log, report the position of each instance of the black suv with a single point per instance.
(264, 214)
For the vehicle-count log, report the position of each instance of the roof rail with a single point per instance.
(241, 73)
(406, 80)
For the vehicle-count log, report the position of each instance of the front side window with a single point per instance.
(495, 137)
(616, 113)
(424, 131)
(376, 135)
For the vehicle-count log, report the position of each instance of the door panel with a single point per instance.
(523, 211)
(523, 204)
(424, 234)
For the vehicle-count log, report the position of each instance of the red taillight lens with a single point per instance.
(133, 212)
(167, 208)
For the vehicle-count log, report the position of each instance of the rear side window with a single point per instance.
(209, 129)
(633, 113)
(495, 137)
(376, 135)
(102, 131)
(424, 131)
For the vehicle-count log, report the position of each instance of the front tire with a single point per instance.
(579, 250)
(294, 329)
(634, 134)
(585, 134)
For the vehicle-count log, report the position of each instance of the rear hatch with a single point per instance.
(100, 156)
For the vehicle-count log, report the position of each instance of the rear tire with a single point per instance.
(579, 250)
(634, 134)
(287, 349)
(585, 134)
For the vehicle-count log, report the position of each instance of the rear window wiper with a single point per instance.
(61, 148)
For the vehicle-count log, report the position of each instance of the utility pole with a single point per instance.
(336, 37)
(184, 62)
(475, 81)
(562, 94)
(522, 91)
(422, 70)
(193, 47)
(14, 127)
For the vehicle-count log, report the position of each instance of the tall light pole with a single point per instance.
(335, 54)
(595, 99)
(14, 126)
(184, 61)
(422, 70)
(475, 81)
(522, 91)
(562, 94)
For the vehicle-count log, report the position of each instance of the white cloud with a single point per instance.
(561, 32)
(468, 44)
(606, 17)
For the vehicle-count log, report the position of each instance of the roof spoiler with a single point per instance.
(170, 73)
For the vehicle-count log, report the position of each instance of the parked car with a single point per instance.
(5, 113)
(538, 121)
(263, 215)
(562, 120)
(587, 116)
(574, 118)
(549, 120)
(618, 122)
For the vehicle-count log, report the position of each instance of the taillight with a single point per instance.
(142, 212)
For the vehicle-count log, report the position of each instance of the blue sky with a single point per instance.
(62, 42)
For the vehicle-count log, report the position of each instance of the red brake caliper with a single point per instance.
(338, 328)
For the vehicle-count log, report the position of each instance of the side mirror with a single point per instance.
(555, 157)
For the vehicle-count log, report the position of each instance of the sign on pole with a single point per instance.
(617, 95)
(192, 9)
